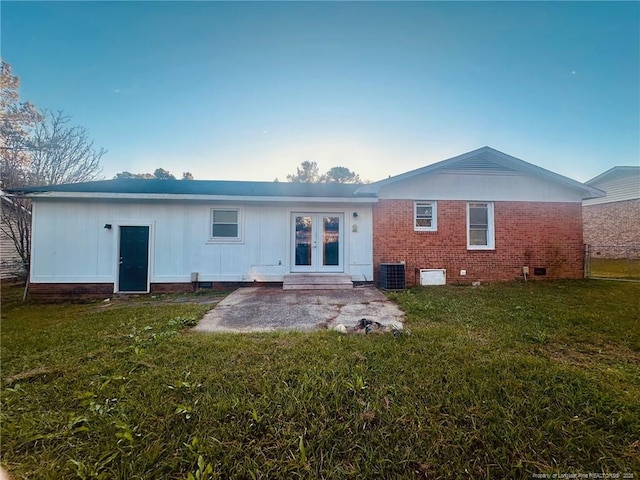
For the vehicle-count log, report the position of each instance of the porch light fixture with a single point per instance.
(107, 226)
(355, 214)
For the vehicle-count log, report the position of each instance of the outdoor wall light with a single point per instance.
(107, 226)
(355, 214)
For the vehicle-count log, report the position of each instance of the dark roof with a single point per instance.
(202, 187)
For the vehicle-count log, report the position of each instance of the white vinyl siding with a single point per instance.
(425, 217)
(480, 227)
(180, 242)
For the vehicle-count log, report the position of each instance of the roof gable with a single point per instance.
(617, 171)
(485, 160)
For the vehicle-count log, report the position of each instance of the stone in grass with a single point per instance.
(340, 328)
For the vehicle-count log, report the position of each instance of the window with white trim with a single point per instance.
(425, 218)
(226, 224)
(480, 228)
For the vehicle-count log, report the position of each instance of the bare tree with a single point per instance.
(36, 149)
(61, 153)
(16, 121)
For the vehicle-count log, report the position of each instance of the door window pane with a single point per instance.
(304, 239)
(331, 241)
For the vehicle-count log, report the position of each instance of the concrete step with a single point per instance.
(308, 281)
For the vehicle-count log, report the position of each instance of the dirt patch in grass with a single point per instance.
(588, 355)
(195, 299)
(44, 374)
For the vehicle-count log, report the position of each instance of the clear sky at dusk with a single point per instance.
(247, 91)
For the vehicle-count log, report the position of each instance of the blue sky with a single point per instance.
(247, 91)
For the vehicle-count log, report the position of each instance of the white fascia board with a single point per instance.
(186, 197)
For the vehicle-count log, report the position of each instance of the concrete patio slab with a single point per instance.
(265, 309)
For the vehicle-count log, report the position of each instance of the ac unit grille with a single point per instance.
(392, 276)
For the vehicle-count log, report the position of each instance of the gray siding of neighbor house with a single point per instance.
(10, 261)
(619, 188)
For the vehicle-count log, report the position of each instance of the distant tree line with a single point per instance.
(308, 172)
(158, 174)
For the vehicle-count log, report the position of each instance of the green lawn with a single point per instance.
(615, 268)
(500, 381)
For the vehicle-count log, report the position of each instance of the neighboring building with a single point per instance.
(613, 220)
(10, 261)
(483, 212)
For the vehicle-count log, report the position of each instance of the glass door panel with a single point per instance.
(331, 241)
(303, 242)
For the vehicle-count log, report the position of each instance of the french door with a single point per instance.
(317, 243)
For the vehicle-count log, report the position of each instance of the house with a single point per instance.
(481, 216)
(613, 220)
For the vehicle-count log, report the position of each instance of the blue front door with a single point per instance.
(134, 259)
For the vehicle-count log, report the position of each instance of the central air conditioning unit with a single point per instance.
(433, 276)
(392, 276)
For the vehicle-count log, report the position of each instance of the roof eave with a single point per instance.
(194, 197)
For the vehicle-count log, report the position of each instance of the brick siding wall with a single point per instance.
(616, 223)
(533, 234)
(49, 292)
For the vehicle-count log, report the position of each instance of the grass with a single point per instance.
(615, 268)
(500, 381)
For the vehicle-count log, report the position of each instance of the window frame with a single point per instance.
(434, 215)
(240, 223)
(491, 241)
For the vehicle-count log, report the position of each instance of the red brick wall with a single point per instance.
(49, 292)
(616, 223)
(171, 287)
(533, 234)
